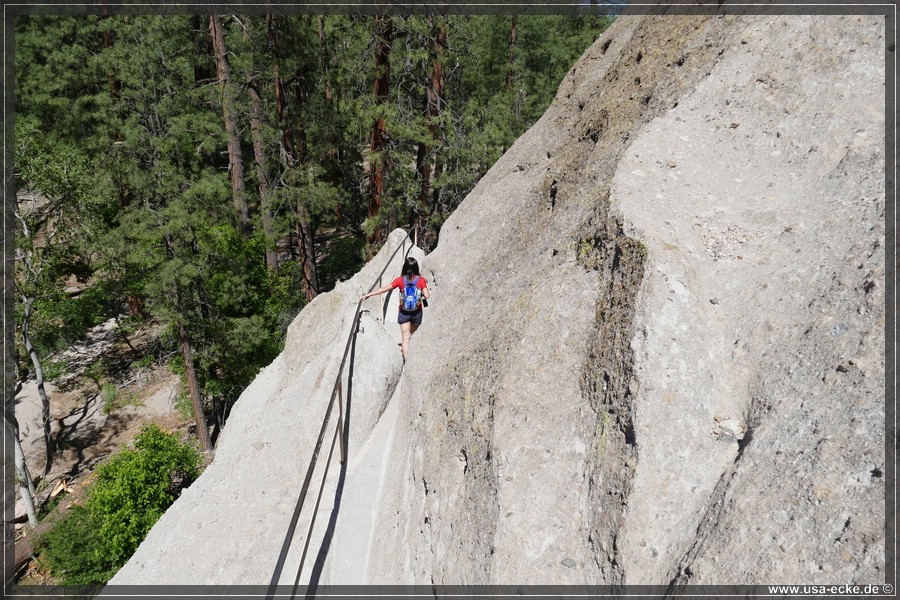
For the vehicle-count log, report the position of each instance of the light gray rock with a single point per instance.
(563, 403)
(770, 235)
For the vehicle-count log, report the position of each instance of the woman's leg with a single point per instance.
(405, 329)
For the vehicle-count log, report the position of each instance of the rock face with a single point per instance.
(654, 351)
(752, 436)
(662, 286)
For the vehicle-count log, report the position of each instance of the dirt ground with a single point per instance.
(97, 407)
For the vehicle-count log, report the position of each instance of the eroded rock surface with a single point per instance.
(650, 314)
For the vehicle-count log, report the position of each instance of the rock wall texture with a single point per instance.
(655, 351)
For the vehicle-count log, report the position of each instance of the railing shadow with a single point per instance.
(292, 527)
(339, 492)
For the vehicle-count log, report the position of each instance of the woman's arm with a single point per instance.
(377, 292)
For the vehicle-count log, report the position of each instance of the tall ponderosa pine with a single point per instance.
(257, 131)
(230, 115)
(303, 222)
(434, 104)
(378, 159)
(294, 154)
(187, 354)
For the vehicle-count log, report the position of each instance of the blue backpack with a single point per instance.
(411, 295)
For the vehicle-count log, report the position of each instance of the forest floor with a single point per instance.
(110, 388)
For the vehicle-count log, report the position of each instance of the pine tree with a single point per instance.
(230, 116)
(435, 101)
(257, 129)
(378, 157)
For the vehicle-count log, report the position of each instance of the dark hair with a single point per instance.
(410, 267)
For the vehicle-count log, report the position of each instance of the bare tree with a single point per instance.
(23, 477)
(31, 273)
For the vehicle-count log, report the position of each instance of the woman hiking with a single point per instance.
(413, 292)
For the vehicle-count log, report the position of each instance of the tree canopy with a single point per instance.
(215, 173)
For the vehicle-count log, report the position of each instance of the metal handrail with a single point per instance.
(336, 393)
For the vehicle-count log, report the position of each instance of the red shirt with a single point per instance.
(400, 283)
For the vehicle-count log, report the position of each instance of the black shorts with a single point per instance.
(406, 317)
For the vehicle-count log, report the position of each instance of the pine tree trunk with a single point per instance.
(329, 94)
(287, 144)
(262, 175)
(306, 250)
(265, 199)
(278, 81)
(193, 388)
(298, 125)
(188, 356)
(295, 152)
(334, 168)
(229, 113)
(434, 100)
(305, 230)
(377, 159)
(49, 442)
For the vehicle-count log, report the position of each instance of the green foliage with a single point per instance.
(75, 549)
(121, 149)
(145, 362)
(344, 259)
(61, 320)
(131, 492)
(108, 392)
(183, 406)
(56, 369)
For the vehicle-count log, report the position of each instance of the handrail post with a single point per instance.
(341, 420)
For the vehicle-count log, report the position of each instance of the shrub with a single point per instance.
(74, 549)
(109, 393)
(56, 369)
(131, 492)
